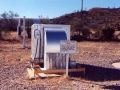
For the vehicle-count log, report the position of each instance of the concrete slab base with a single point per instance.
(117, 65)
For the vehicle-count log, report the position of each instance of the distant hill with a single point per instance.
(94, 18)
(91, 23)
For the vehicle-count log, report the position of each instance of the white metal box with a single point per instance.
(45, 44)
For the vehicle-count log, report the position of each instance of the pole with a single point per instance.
(82, 6)
(19, 28)
(24, 32)
(81, 18)
(67, 62)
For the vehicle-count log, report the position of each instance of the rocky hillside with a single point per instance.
(94, 18)
(90, 24)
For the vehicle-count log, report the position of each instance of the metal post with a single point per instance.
(82, 6)
(24, 33)
(19, 28)
(67, 62)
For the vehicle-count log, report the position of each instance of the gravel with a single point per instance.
(96, 57)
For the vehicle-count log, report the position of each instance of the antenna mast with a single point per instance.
(82, 6)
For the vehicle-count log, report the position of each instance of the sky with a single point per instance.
(52, 8)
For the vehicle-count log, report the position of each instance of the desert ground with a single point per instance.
(96, 57)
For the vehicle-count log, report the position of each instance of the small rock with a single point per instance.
(92, 85)
(18, 59)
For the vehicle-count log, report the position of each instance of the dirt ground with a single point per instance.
(96, 57)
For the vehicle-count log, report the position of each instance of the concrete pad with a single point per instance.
(117, 65)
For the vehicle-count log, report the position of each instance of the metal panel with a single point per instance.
(56, 61)
(35, 43)
(53, 38)
(66, 28)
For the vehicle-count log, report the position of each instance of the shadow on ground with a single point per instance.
(112, 87)
(10, 40)
(95, 73)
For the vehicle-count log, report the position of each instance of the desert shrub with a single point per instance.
(9, 21)
(98, 34)
(85, 33)
(107, 34)
(76, 37)
(28, 29)
(29, 23)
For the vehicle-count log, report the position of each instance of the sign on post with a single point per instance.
(68, 47)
